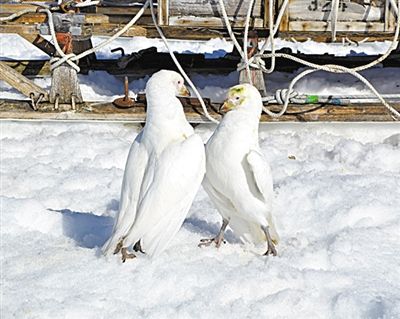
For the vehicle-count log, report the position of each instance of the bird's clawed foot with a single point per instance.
(271, 247)
(271, 250)
(208, 241)
(118, 247)
(126, 255)
(218, 240)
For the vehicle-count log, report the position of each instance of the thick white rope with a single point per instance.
(69, 58)
(229, 28)
(87, 3)
(271, 37)
(328, 68)
(185, 76)
(117, 34)
(336, 69)
(64, 57)
(245, 39)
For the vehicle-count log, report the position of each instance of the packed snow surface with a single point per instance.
(337, 199)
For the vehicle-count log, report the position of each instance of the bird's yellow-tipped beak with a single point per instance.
(227, 106)
(184, 91)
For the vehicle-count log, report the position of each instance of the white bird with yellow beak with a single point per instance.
(238, 178)
(163, 172)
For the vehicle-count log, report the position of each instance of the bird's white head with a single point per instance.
(243, 97)
(167, 82)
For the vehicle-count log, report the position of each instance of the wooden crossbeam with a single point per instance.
(106, 111)
(20, 82)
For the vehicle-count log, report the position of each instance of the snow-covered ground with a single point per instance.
(337, 205)
(337, 202)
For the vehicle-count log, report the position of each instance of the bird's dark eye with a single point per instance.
(179, 82)
(237, 98)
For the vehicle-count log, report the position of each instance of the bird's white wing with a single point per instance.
(177, 176)
(263, 179)
(261, 172)
(134, 178)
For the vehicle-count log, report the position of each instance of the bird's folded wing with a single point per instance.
(130, 192)
(177, 177)
(262, 174)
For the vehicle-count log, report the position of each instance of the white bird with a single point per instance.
(164, 169)
(238, 178)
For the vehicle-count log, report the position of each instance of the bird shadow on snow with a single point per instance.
(86, 229)
(90, 231)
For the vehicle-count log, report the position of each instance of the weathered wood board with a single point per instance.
(65, 85)
(20, 82)
(105, 111)
(325, 26)
(207, 13)
(350, 11)
(211, 8)
(367, 17)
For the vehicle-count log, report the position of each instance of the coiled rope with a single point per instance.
(253, 61)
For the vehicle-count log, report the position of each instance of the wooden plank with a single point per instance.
(192, 21)
(20, 82)
(266, 9)
(9, 8)
(30, 32)
(96, 18)
(390, 24)
(131, 11)
(234, 8)
(350, 11)
(104, 111)
(356, 26)
(163, 12)
(326, 36)
(65, 85)
(91, 18)
(284, 25)
(30, 68)
(111, 29)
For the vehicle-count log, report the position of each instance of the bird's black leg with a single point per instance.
(218, 239)
(271, 247)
